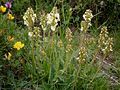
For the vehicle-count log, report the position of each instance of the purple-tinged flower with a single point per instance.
(8, 5)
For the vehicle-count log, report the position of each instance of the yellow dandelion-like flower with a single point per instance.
(2, 9)
(10, 16)
(8, 56)
(18, 45)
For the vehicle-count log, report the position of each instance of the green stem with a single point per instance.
(99, 68)
(36, 5)
(33, 58)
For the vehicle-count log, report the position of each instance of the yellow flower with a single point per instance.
(2, 9)
(8, 56)
(10, 38)
(10, 16)
(18, 45)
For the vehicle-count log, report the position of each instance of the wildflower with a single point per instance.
(18, 45)
(108, 46)
(68, 35)
(88, 15)
(69, 39)
(68, 48)
(87, 23)
(36, 32)
(56, 14)
(84, 26)
(2, 9)
(104, 41)
(29, 17)
(53, 18)
(8, 5)
(10, 16)
(53, 27)
(49, 19)
(103, 37)
(10, 38)
(30, 34)
(8, 56)
(43, 22)
(82, 55)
